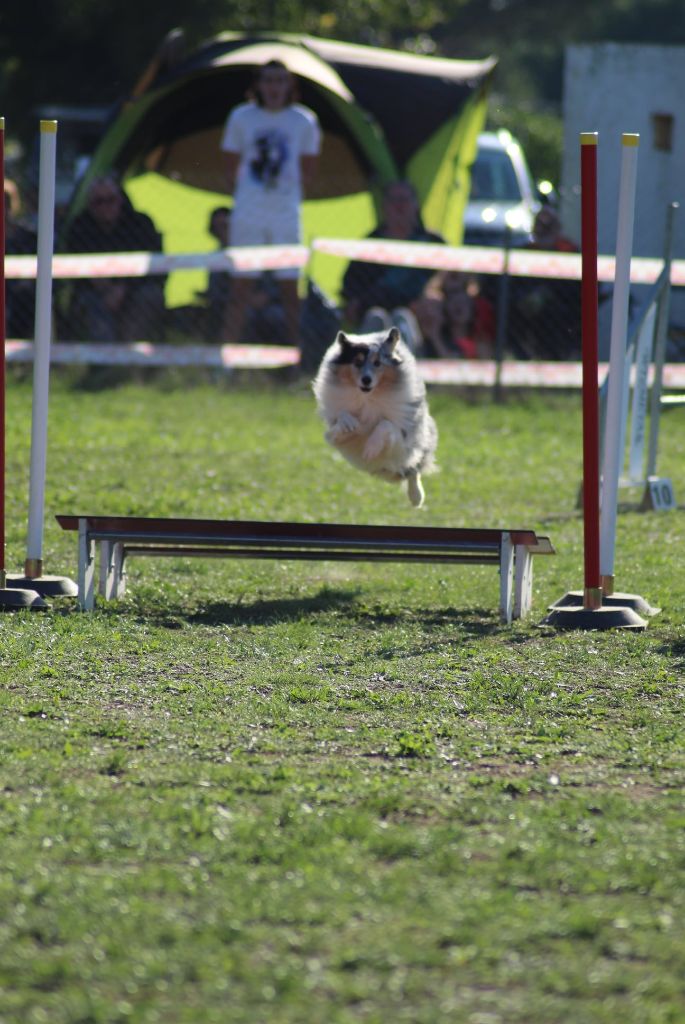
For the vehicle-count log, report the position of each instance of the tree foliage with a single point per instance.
(77, 51)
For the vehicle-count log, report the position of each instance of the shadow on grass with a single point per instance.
(240, 613)
(342, 605)
(467, 621)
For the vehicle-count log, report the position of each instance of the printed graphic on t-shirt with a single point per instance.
(272, 152)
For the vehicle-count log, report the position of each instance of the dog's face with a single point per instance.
(368, 361)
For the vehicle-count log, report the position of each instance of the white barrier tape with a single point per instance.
(473, 259)
(142, 264)
(487, 260)
(464, 372)
(143, 353)
(427, 255)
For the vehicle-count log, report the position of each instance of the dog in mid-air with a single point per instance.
(369, 393)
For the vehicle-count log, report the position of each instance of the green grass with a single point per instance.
(335, 793)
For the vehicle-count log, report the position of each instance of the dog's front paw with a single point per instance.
(374, 446)
(380, 439)
(345, 425)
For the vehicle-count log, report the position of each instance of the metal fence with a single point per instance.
(450, 302)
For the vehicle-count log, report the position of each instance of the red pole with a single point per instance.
(3, 577)
(592, 597)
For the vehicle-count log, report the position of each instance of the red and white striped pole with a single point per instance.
(592, 593)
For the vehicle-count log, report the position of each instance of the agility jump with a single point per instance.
(118, 538)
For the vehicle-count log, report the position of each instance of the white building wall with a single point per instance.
(613, 88)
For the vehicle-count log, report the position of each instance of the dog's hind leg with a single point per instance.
(414, 488)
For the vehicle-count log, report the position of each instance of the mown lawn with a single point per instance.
(333, 792)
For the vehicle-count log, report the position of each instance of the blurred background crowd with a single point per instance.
(443, 314)
(139, 163)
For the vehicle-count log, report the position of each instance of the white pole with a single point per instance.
(638, 416)
(660, 346)
(41, 354)
(615, 420)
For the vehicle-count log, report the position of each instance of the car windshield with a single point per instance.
(493, 177)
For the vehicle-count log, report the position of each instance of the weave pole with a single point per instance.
(587, 610)
(15, 598)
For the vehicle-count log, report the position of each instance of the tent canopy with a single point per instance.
(410, 96)
(383, 115)
(378, 109)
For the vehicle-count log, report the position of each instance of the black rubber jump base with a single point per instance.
(575, 598)
(16, 599)
(565, 615)
(46, 586)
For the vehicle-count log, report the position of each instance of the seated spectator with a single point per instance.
(206, 320)
(547, 234)
(219, 282)
(459, 322)
(264, 316)
(266, 322)
(375, 294)
(119, 308)
(20, 295)
(545, 320)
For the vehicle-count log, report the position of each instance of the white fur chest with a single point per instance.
(367, 407)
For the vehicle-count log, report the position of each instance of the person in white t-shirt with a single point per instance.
(271, 146)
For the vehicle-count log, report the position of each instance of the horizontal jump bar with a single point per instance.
(291, 543)
(323, 555)
(238, 529)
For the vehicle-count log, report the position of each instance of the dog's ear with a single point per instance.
(392, 340)
(344, 349)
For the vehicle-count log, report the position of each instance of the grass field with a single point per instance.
(336, 793)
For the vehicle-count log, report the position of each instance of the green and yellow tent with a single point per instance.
(384, 114)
